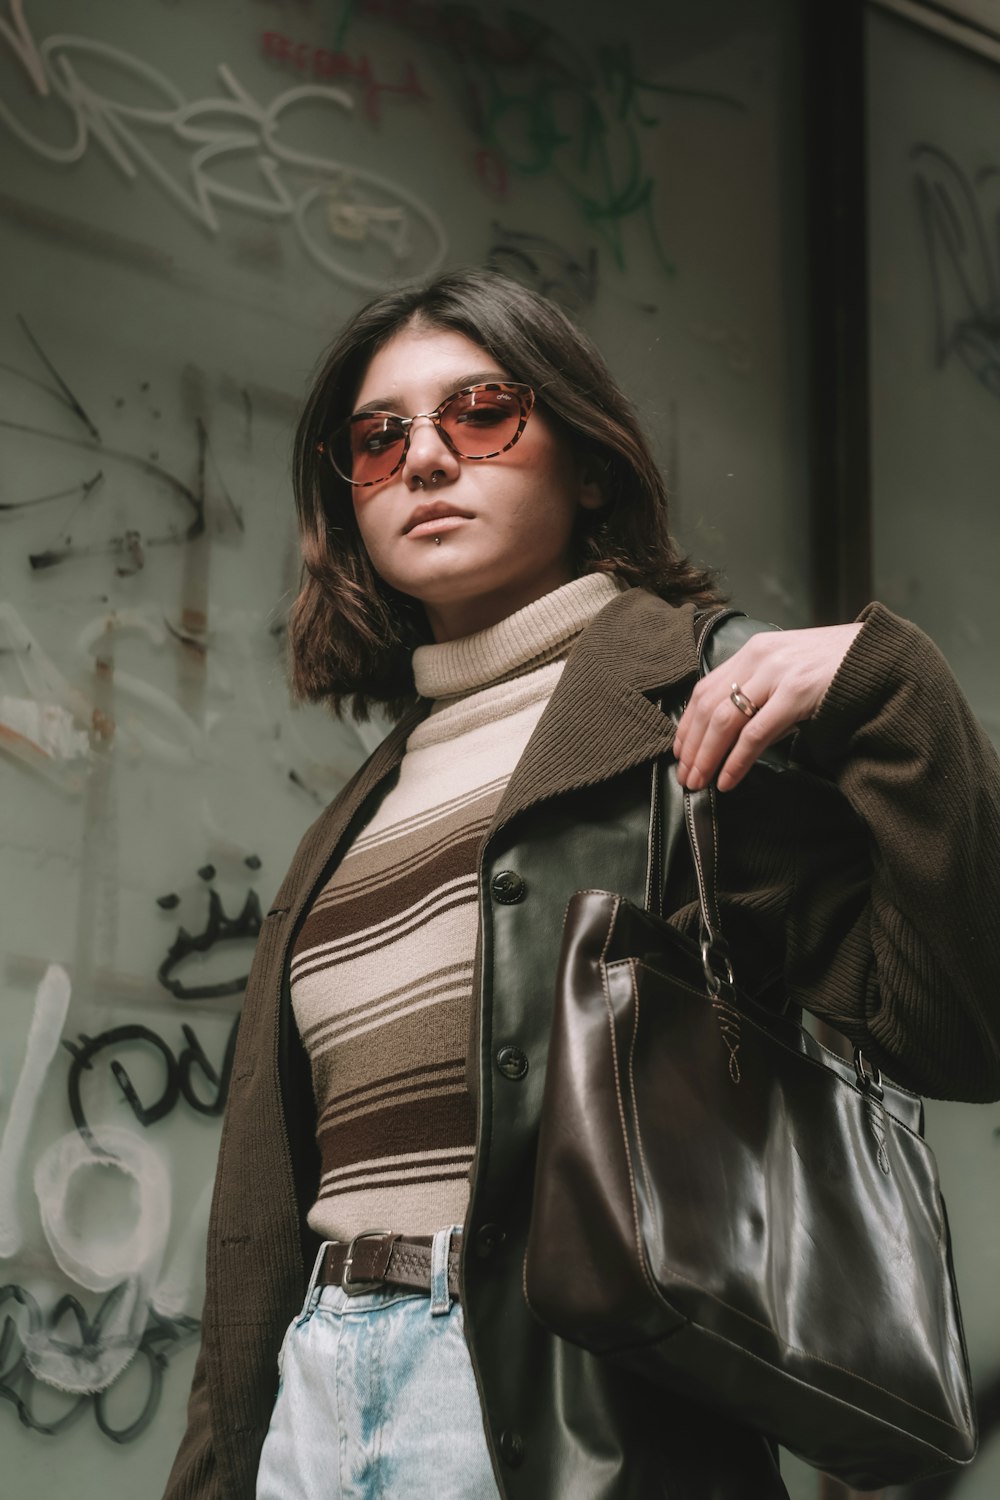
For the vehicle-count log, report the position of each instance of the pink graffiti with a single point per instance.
(463, 29)
(326, 64)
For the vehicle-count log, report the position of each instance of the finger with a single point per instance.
(691, 729)
(766, 727)
(713, 689)
(716, 730)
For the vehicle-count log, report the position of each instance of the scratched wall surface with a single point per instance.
(935, 295)
(194, 198)
(934, 192)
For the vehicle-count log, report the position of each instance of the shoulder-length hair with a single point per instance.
(351, 636)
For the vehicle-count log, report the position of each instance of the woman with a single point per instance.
(486, 557)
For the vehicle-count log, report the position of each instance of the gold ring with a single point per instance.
(740, 700)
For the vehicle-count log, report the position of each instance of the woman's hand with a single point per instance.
(782, 674)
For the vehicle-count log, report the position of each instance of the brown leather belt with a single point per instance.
(367, 1262)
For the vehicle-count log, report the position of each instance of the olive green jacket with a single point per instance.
(864, 880)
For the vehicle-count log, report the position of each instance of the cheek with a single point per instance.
(551, 458)
(365, 518)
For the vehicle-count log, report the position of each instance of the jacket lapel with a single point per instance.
(600, 721)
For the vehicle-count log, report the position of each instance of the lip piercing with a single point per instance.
(437, 541)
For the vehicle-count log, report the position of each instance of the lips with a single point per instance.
(436, 510)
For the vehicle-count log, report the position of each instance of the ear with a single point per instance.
(592, 496)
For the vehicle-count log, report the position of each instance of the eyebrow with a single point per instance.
(448, 388)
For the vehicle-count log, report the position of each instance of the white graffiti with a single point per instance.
(332, 205)
(47, 1021)
(129, 1262)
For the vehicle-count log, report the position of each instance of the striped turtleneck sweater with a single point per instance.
(382, 968)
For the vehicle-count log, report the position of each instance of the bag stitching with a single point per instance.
(643, 1268)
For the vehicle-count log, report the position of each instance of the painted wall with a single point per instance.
(934, 195)
(194, 199)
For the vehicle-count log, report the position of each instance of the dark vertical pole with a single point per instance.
(840, 490)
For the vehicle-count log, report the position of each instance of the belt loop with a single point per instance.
(306, 1308)
(440, 1252)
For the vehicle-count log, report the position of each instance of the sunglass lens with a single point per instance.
(483, 421)
(367, 448)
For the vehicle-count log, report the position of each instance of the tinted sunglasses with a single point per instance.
(479, 421)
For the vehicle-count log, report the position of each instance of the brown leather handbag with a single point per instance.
(734, 1212)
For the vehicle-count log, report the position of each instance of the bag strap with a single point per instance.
(700, 822)
(655, 872)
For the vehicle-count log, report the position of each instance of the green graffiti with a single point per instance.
(539, 106)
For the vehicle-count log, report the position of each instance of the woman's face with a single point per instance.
(505, 539)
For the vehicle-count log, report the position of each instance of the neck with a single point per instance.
(456, 618)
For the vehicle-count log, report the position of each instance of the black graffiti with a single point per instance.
(180, 1075)
(545, 266)
(61, 393)
(81, 490)
(964, 262)
(219, 928)
(160, 1340)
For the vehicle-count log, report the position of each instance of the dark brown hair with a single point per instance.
(351, 636)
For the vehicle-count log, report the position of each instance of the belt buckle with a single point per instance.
(355, 1288)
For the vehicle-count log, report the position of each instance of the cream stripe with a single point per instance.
(378, 834)
(459, 1160)
(402, 1181)
(357, 985)
(430, 1156)
(326, 1035)
(459, 906)
(385, 1008)
(373, 1025)
(430, 981)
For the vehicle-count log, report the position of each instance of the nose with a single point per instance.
(429, 460)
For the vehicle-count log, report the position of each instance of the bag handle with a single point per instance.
(702, 828)
(702, 824)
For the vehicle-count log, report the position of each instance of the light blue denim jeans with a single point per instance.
(377, 1399)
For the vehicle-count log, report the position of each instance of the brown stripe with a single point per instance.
(418, 1035)
(370, 874)
(405, 1126)
(420, 1091)
(399, 1086)
(390, 897)
(414, 918)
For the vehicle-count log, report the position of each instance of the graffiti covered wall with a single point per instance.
(194, 198)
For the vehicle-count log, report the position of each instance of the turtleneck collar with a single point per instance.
(538, 633)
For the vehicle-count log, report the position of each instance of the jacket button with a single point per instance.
(511, 1448)
(507, 887)
(512, 1063)
(488, 1237)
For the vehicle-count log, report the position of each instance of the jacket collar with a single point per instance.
(599, 722)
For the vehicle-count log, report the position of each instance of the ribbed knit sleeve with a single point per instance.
(899, 945)
(194, 1476)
